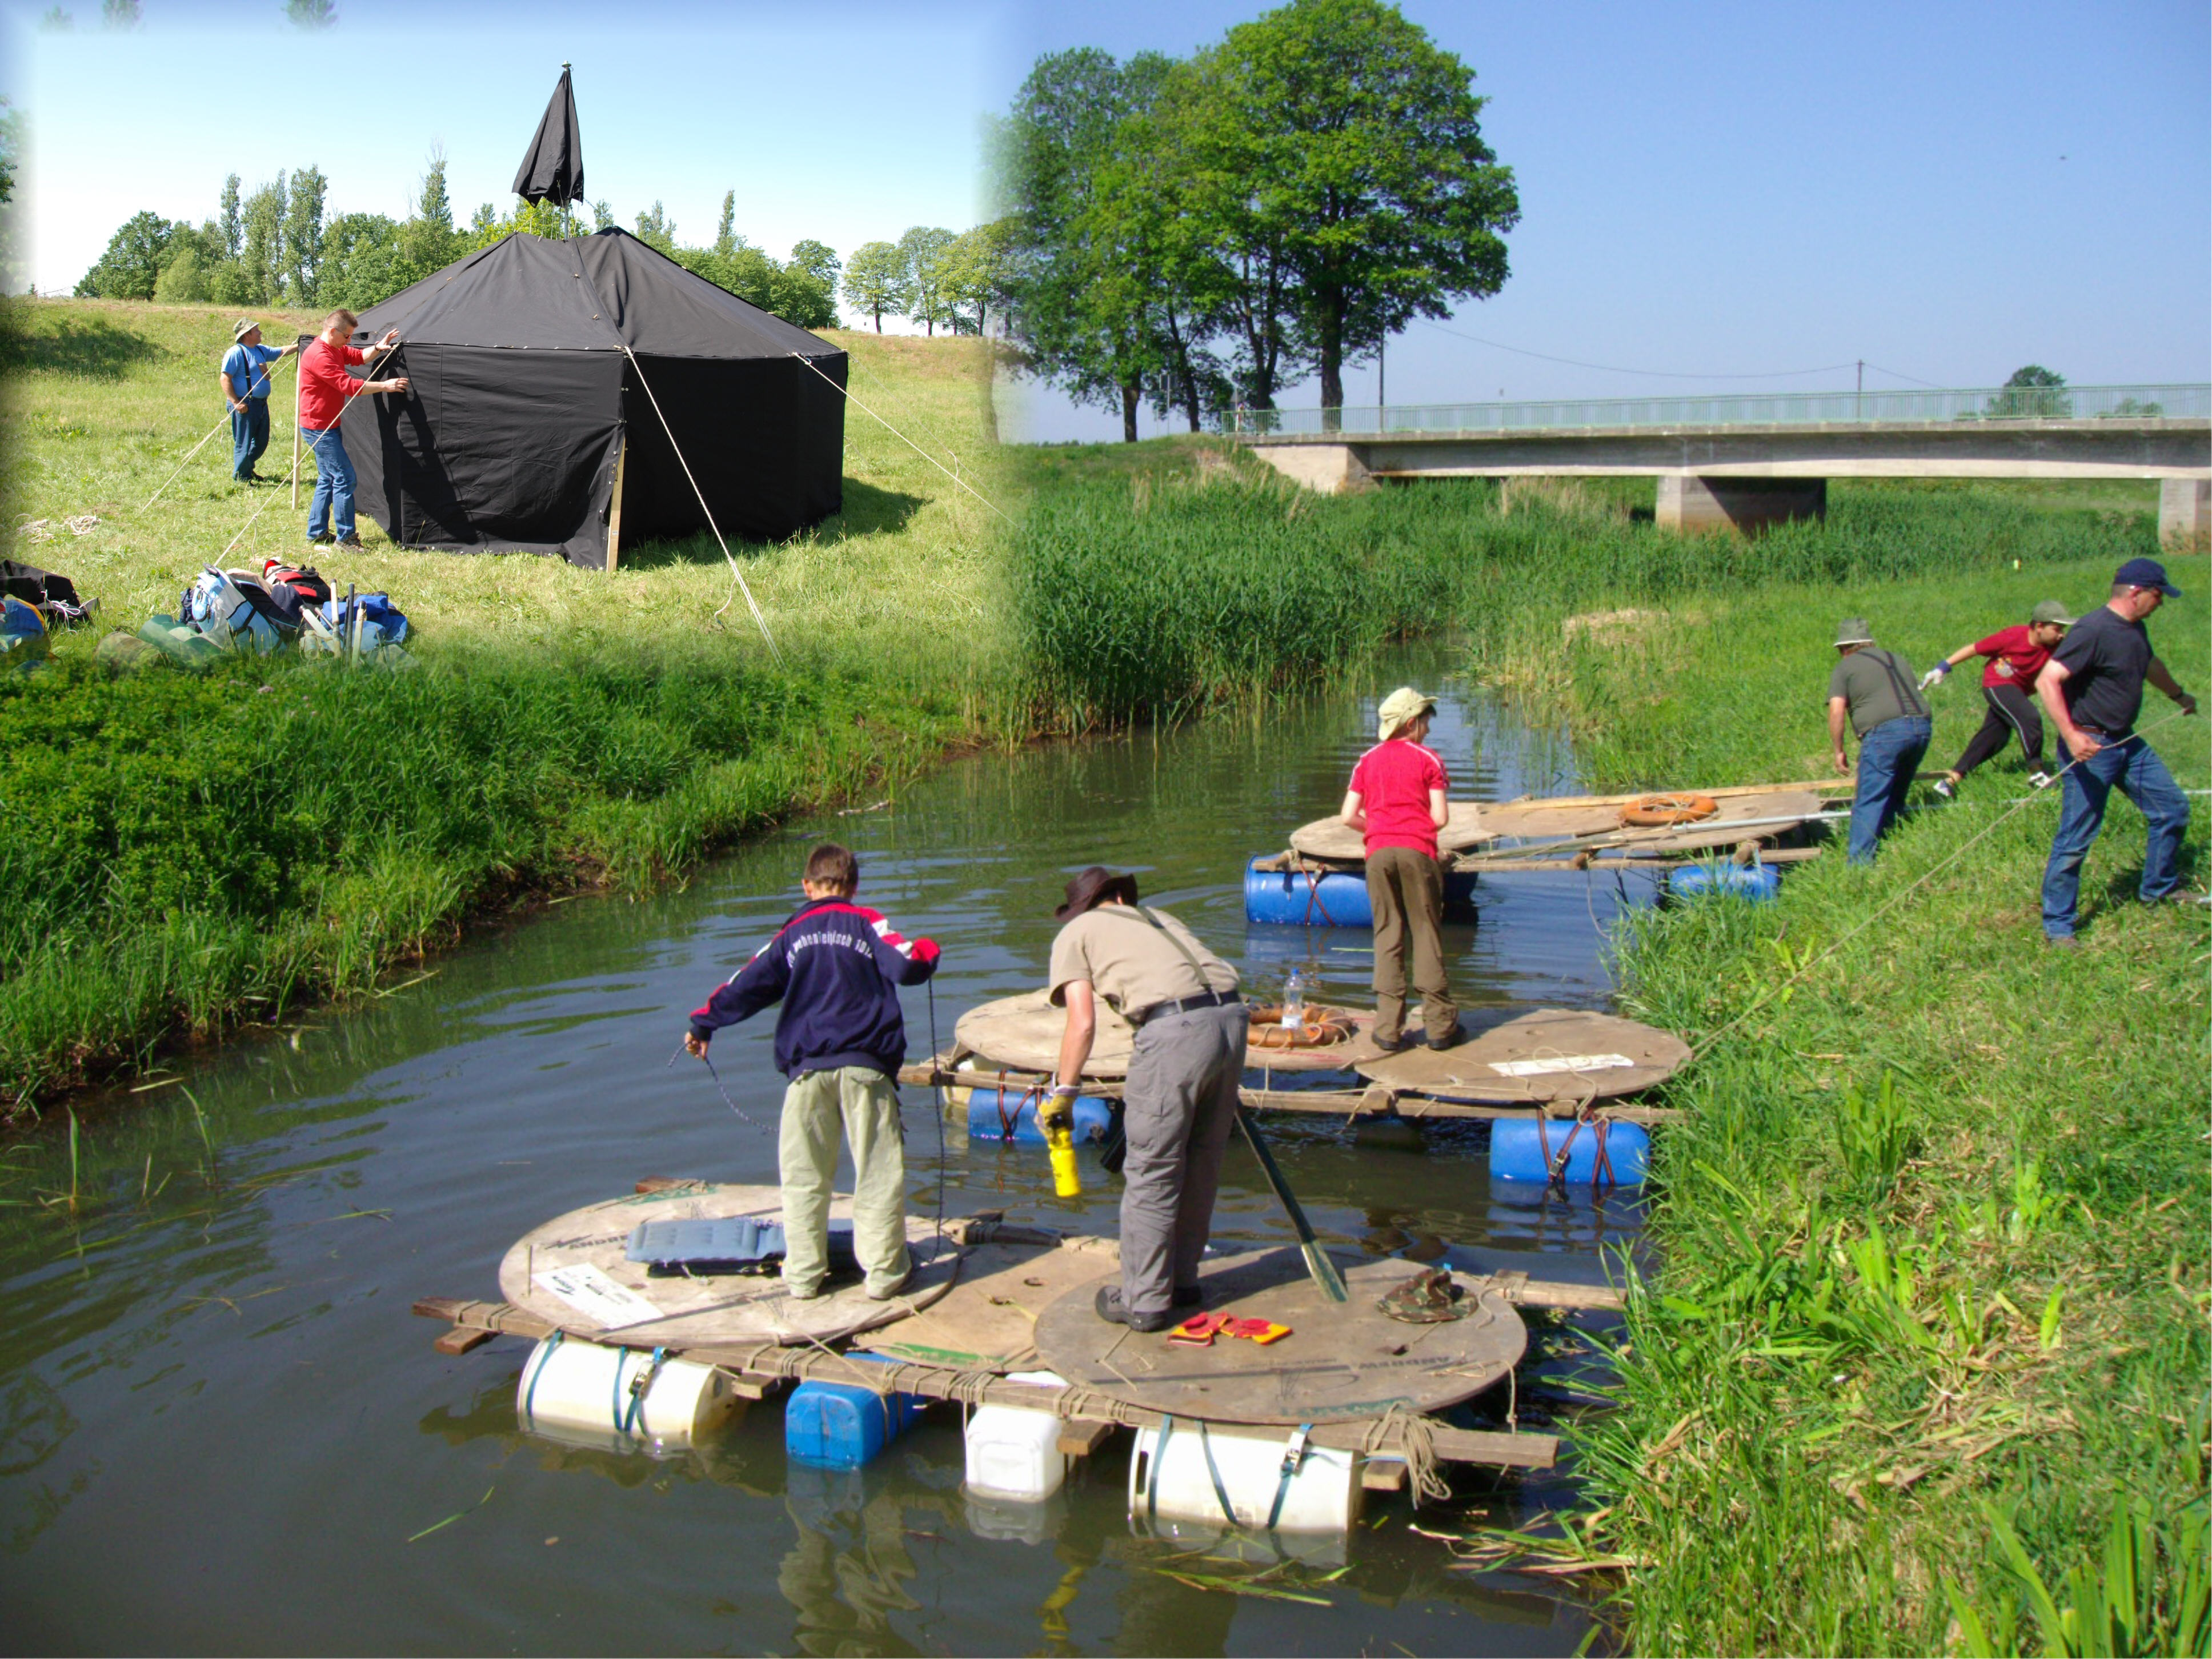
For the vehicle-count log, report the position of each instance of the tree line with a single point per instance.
(277, 245)
(1194, 233)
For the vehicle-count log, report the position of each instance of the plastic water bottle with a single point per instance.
(1294, 999)
(1057, 1119)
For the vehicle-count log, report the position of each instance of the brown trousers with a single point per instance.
(1407, 889)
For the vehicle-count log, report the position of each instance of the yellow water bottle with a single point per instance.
(1056, 1117)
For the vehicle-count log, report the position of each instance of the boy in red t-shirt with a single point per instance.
(1396, 801)
(2016, 656)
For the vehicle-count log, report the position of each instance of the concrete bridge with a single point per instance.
(1742, 462)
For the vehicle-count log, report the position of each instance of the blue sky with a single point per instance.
(1708, 190)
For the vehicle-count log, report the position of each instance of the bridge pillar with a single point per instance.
(2185, 514)
(1687, 501)
(1333, 469)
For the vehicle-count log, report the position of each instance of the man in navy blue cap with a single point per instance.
(2093, 688)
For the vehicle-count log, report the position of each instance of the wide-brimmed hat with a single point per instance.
(2052, 611)
(1853, 630)
(246, 326)
(1094, 886)
(1401, 709)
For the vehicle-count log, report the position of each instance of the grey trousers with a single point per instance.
(1181, 1103)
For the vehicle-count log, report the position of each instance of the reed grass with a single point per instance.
(1928, 1334)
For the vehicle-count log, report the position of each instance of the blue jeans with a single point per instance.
(2133, 765)
(332, 509)
(249, 436)
(1888, 756)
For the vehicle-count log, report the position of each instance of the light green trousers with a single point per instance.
(860, 1102)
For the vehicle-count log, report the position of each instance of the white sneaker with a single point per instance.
(2039, 780)
(1945, 789)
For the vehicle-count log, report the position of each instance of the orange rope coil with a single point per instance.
(1655, 812)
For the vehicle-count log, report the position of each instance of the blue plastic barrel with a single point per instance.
(1757, 882)
(987, 1110)
(1292, 899)
(1516, 1151)
(842, 1425)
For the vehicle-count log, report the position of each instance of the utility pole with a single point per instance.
(1381, 378)
(1859, 398)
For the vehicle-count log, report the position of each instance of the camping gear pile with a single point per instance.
(34, 603)
(283, 608)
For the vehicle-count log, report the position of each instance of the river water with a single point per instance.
(220, 1425)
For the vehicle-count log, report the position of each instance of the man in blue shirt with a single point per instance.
(245, 388)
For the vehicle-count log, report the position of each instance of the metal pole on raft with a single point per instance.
(1324, 1272)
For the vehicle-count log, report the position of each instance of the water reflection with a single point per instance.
(219, 1424)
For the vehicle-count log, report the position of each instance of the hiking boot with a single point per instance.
(1186, 1295)
(351, 544)
(1108, 1304)
(323, 540)
(890, 1291)
(1457, 1034)
(2039, 779)
(2062, 941)
(1946, 789)
(1391, 1045)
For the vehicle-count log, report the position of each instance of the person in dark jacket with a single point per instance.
(836, 967)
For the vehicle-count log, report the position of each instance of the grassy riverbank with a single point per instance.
(189, 853)
(1932, 1313)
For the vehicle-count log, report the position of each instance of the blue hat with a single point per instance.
(2145, 573)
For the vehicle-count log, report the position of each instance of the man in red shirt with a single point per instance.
(326, 389)
(2016, 656)
(1396, 801)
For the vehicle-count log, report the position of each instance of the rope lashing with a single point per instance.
(901, 437)
(743, 587)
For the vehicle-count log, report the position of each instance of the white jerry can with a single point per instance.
(1014, 1452)
(1187, 1470)
(569, 1383)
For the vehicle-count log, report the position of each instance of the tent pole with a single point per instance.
(614, 512)
(299, 395)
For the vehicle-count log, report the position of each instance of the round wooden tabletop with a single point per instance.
(1022, 1034)
(1545, 1054)
(1343, 1360)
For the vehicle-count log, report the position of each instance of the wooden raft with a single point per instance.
(1022, 1034)
(1015, 1272)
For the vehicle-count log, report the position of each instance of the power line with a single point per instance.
(1653, 373)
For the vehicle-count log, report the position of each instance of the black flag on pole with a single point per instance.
(553, 168)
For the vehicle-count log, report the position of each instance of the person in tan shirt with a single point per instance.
(1180, 1102)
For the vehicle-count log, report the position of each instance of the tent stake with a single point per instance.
(614, 512)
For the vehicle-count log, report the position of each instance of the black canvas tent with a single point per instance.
(528, 424)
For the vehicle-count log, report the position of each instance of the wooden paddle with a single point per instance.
(1317, 1262)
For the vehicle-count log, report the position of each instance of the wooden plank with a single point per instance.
(1452, 1445)
(1079, 1437)
(1384, 1476)
(462, 1338)
(614, 507)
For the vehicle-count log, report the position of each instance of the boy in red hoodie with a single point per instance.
(1396, 801)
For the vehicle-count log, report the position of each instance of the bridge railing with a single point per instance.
(1995, 403)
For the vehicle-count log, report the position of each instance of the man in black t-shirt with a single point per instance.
(2093, 688)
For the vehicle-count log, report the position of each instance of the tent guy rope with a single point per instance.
(904, 439)
(742, 586)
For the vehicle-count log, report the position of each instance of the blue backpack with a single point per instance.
(236, 611)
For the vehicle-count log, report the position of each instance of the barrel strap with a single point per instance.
(1159, 1457)
(544, 1357)
(639, 1385)
(1220, 1491)
(1294, 1455)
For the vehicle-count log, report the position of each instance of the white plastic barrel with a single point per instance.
(1015, 1454)
(570, 1383)
(1173, 1475)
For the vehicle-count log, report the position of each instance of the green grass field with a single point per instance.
(1934, 1234)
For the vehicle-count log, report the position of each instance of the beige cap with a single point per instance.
(1401, 709)
(1853, 630)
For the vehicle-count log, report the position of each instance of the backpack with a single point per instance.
(23, 634)
(232, 609)
(304, 580)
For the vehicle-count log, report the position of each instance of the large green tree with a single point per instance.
(876, 280)
(930, 276)
(303, 234)
(1084, 275)
(132, 264)
(1335, 157)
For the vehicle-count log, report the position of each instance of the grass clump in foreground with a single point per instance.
(1924, 1366)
